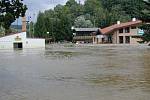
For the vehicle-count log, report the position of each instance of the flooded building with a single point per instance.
(20, 40)
(121, 33)
(84, 35)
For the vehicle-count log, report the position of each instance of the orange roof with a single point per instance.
(118, 26)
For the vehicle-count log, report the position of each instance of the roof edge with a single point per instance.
(111, 28)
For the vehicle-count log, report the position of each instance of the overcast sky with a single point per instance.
(34, 6)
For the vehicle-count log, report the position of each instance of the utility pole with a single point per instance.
(79, 2)
(17, 25)
(33, 24)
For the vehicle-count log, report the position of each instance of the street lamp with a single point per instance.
(47, 32)
(74, 34)
(73, 30)
(47, 36)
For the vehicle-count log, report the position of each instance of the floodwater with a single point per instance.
(67, 72)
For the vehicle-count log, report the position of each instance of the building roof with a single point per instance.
(87, 29)
(119, 26)
(9, 34)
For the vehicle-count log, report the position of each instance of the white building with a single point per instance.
(20, 40)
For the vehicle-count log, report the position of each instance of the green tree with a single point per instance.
(75, 8)
(93, 13)
(146, 36)
(31, 29)
(10, 10)
(81, 22)
(146, 20)
(40, 28)
(90, 6)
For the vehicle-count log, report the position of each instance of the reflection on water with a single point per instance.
(60, 54)
(76, 73)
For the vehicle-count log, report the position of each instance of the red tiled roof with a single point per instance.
(9, 34)
(118, 26)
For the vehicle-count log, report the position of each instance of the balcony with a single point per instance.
(82, 37)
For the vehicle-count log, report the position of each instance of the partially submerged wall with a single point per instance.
(7, 42)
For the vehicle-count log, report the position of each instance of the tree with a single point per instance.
(40, 28)
(75, 8)
(93, 13)
(146, 35)
(10, 10)
(31, 29)
(57, 22)
(91, 6)
(2, 31)
(146, 20)
(64, 25)
(81, 22)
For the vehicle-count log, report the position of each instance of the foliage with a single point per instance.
(146, 19)
(81, 22)
(40, 28)
(93, 13)
(10, 10)
(31, 29)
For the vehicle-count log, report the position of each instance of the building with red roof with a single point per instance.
(120, 33)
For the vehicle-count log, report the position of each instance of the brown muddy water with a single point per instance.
(67, 72)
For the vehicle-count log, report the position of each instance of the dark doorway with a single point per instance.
(109, 39)
(120, 39)
(127, 39)
(18, 45)
(103, 40)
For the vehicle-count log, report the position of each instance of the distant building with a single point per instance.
(84, 35)
(120, 33)
(20, 40)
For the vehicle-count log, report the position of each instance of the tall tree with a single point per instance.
(81, 22)
(146, 20)
(10, 10)
(93, 13)
(31, 29)
(40, 28)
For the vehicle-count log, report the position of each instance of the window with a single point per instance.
(120, 39)
(127, 39)
(121, 30)
(133, 27)
(127, 30)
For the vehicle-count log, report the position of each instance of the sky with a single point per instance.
(34, 6)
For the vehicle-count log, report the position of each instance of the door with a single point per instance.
(18, 45)
(120, 39)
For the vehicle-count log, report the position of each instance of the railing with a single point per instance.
(82, 37)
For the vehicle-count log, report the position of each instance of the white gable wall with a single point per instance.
(8, 41)
(34, 43)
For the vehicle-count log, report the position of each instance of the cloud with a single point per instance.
(34, 6)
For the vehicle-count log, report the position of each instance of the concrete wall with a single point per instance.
(133, 32)
(34, 43)
(7, 41)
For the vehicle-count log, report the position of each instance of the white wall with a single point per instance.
(7, 41)
(34, 43)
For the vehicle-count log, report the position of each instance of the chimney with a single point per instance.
(133, 19)
(24, 24)
(118, 22)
